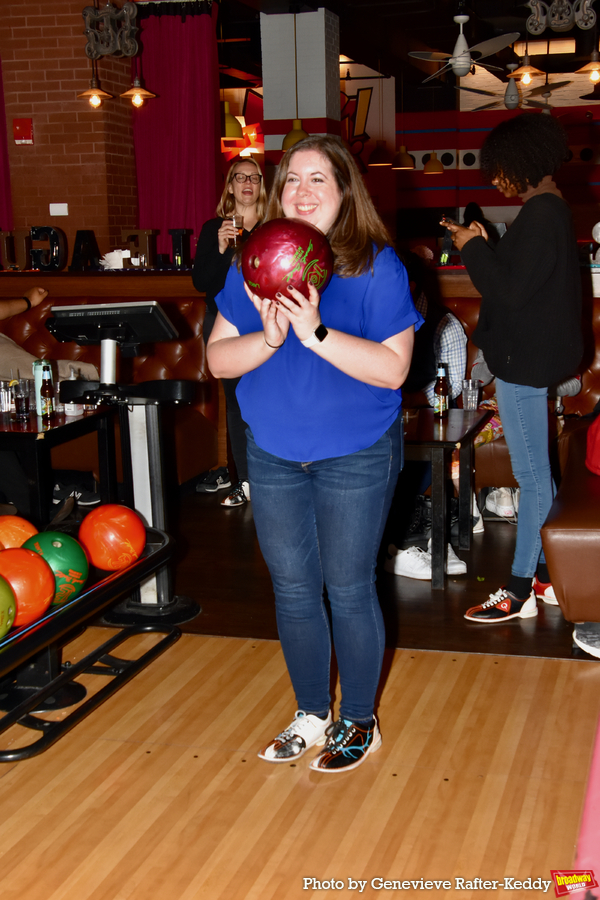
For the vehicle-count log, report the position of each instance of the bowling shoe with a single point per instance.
(348, 745)
(304, 732)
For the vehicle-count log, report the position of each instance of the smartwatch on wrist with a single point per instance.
(317, 337)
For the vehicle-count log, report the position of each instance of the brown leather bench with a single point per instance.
(571, 534)
(190, 430)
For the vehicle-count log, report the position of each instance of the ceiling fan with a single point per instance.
(513, 99)
(463, 57)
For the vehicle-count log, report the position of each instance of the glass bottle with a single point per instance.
(47, 394)
(441, 400)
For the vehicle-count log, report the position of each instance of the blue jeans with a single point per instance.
(524, 414)
(319, 525)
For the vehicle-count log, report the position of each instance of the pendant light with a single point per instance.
(136, 93)
(297, 133)
(232, 128)
(593, 67)
(94, 95)
(402, 159)
(525, 70)
(433, 166)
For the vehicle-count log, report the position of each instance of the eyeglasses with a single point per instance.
(242, 179)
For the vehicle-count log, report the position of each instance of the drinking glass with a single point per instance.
(470, 394)
(5, 396)
(20, 392)
(238, 226)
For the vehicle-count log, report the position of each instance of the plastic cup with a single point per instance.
(470, 394)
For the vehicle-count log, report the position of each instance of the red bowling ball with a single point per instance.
(286, 252)
(113, 536)
(32, 582)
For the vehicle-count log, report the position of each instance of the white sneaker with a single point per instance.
(478, 526)
(292, 743)
(454, 565)
(416, 563)
(501, 503)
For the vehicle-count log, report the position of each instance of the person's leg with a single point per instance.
(352, 498)
(282, 503)
(524, 415)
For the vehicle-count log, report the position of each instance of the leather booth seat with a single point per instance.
(190, 431)
(571, 533)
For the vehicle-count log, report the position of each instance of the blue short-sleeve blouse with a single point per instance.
(298, 405)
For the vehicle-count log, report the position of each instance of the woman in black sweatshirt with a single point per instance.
(244, 194)
(529, 330)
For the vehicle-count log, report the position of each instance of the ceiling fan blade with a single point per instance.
(437, 74)
(430, 57)
(494, 45)
(548, 88)
(538, 105)
(487, 106)
(487, 66)
(475, 91)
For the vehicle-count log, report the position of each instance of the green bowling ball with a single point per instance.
(8, 606)
(67, 559)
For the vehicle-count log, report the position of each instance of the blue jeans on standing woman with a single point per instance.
(524, 415)
(319, 525)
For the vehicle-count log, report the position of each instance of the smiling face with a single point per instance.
(246, 194)
(311, 192)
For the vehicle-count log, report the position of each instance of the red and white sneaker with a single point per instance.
(544, 592)
(501, 606)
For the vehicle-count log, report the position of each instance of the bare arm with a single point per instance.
(383, 364)
(10, 308)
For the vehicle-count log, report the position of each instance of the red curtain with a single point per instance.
(6, 211)
(176, 136)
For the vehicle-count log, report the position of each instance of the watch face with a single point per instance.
(321, 332)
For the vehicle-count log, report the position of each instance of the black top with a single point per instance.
(210, 268)
(529, 326)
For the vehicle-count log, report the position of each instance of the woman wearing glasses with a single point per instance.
(244, 195)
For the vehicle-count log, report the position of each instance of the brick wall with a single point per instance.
(80, 156)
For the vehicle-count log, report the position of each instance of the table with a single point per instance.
(432, 439)
(33, 441)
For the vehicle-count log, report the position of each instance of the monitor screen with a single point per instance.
(129, 324)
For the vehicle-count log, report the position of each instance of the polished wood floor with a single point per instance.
(219, 564)
(159, 793)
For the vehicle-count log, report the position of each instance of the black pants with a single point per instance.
(236, 428)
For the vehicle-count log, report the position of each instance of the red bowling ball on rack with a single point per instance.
(113, 536)
(32, 582)
(283, 253)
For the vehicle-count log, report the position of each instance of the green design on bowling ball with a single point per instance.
(66, 557)
(8, 607)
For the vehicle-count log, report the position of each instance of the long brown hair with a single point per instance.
(358, 234)
(226, 205)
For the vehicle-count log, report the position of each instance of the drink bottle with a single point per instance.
(441, 400)
(47, 394)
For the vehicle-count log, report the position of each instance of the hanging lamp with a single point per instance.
(297, 133)
(137, 94)
(232, 128)
(593, 67)
(94, 94)
(433, 166)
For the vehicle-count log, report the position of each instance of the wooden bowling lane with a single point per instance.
(160, 794)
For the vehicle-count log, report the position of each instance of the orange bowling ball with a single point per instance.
(32, 581)
(113, 536)
(14, 531)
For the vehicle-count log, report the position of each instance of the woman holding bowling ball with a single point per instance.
(320, 390)
(244, 195)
